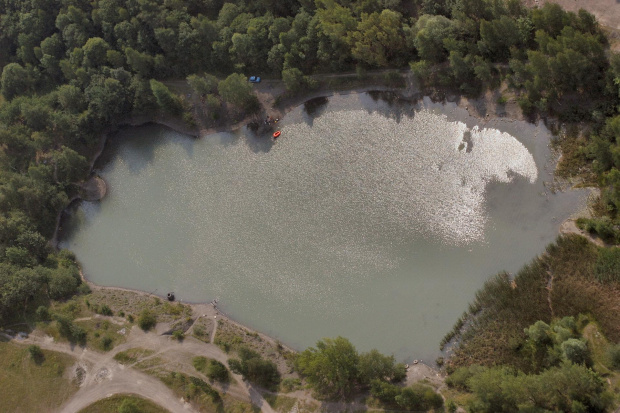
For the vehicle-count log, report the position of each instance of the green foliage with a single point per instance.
(331, 368)
(255, 369)
(417, 397)
(15, 81)
(146, 320)
(607, 267)
(36, 354)
(165, 99)
(70, 330)
(43, 313)
(236, 90)
(106, 343)
(129, 406)
(500, 389)
(613, 353)
(603, 227)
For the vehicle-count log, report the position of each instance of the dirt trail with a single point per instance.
(104, 376)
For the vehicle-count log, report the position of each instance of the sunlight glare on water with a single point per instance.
(356, 216)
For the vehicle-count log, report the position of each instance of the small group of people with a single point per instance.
(270, 119)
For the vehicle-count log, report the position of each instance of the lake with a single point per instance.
(370, 218)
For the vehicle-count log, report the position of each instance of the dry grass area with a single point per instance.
(26, 386)
(230, 336)
(559, 283)
(133, 302)
(202, 329)
(113, 403)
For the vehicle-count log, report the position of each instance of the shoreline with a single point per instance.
(474, 108)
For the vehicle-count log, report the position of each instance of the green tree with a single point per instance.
(95, 52)
(429, 34)
(331, 368)
(15, 81)
(575, 351)
(379, 39)
(166, 100)
(376, 366)
(236, 90)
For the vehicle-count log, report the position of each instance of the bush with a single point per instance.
(614, 356)
(84, 289)
(290, 384)
(603, 227)
(217, 371)
(105, 310)
(146, 320)
(460, 377)
(43, 313)
(178, 335)
(106, 343)
(36, 354)
(255, 369)
(69, 330)
(419, 397)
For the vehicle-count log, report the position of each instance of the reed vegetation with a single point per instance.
(561, 282)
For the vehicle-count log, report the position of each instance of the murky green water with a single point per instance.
(372, 221)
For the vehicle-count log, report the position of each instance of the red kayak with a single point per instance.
(277, 134)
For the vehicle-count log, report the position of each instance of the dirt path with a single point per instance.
(104, 376)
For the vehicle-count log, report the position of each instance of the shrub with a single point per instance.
(290, 384)
(43, 313)
(84, 289)
(106, 343)
(69, 330)
(217, 371)
(603, 227)
(105, 310)
(200, 363)
(460, 377)
(614, 356)
(419, 397)
(255, 369)
(178, 335)
(575, 351)
(607, 267)
(36, 354)
(146, 320)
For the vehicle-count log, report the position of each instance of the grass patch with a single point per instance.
(123, 401)
(149, 364)
(102, 334)
(280, 403)
(28, 386)
(574, 162)
(193, 389)
(132, 355)
(213, 369)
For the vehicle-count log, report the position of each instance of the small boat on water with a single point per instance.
(277, 134)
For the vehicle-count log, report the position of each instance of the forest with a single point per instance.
(73, 70)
